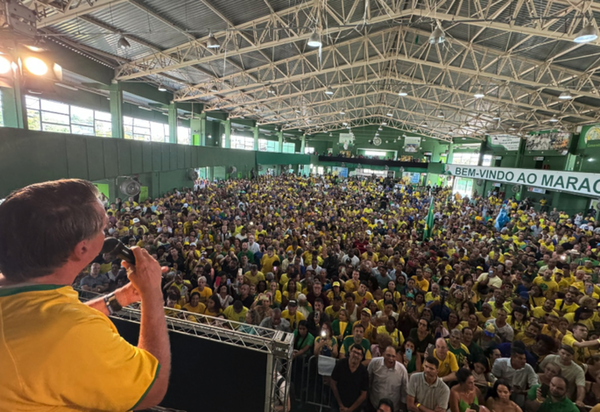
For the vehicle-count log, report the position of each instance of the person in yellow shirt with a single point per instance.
(269, 260)
(292, 315)
(335, 291)
(204, 291)
(365, 321)
(390, 330)
(548, 286)
(352, 285)
(566, 305)
(545, 310)
(420, 281)
(577, 341)
(194, 305)
(333, 310)
(362, 295)
(448, 364)
(253, 276)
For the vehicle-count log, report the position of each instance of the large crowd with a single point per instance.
(468, 313)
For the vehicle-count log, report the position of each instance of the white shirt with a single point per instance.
(525, 377)
(387, 382)
(254, 247)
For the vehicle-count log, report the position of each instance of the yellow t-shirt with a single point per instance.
(540, 313)
(548, 287)
(362, 300)
(396, 335)
(566, 308)
(253, 280)
(204, 294)
(581, 354)
(293, 319)
(198, 309)
(422, 284)
(267, 263)
(231, 314)
(448, 365)
(60, 354)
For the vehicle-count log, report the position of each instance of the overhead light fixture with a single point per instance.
(162, 88)
(424, 124)
(271, 90)
(66, 86)
(328, 91)
(298, 111)
(148, 109)
(440, 115)
(5, 64)
(587, 34)
(554, 119)
(36, 66)
(497, 116)
(402, 92)
(384, 123)
(212, 42)
(123, 43)
(479, 94)
(342, 112)
(34, 91)
(437, 36)
(390, 114)
(314, 40)
(380, 129)
(565, 96)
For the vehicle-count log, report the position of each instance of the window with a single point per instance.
(375, 153)
(268, 145)
(241, 142)
(309, 150)
(487, 160)
(465, 159)
(51, 116)
(184, 135)
(289, 148)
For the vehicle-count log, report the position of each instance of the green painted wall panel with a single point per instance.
(281, 158)
(147, 157)
(165, 157)
(124, 156)
(111, 157)
(137, 159)
(96, 162)
(188, 158)
(173, 157)
(76, 157)
(180, 156)
(156, 157)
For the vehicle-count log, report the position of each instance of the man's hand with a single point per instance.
(538, 395)
(146, 275)
(343, 409)
(580, 404)
(439, 409)
(127, 295)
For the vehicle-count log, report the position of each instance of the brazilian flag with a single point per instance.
(428, 222)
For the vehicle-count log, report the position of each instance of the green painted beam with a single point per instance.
(227, 131)
(255, 131)
(173, 122)
(116, 110)
(13, 107)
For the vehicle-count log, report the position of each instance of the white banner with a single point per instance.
(510, 143)
(548, 141)
(346, 138)
(411, 144)
(585, 184)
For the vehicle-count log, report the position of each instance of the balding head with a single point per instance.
(441, 348)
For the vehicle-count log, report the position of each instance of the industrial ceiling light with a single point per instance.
(424, 124)
(479, 94)
(314, 40)
(162, 88)
(437, 36)
(384, 123)
(36, 66)
(440, 115)
(342, 112)
(380, 129)
(123, 43)
(328, 91)
(587, 34)
(554, 119)
(5, 65)
(497, 116)
(271, 90)
(565, 96)
(402, 92)
(390, 114)
(212, 42)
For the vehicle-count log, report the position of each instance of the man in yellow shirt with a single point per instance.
(58, 353)
(204, 291)
(420, 281)
(566, 305)
(269, 260)
(447, 360)
(577, 341)
(253, 276)
(546, 283)
(292, 315)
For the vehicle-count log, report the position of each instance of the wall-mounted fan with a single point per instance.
(377, 141)
(516, 188)
(192, 174)
(128, 186)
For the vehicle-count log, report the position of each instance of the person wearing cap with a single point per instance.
(304, 306)
(336, 291)
(292, 315)
(365, 321)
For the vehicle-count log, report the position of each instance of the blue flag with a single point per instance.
(501, 220)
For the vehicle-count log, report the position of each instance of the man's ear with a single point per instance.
(82, 250)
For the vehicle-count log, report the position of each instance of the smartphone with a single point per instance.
(545, 389)
(323, 333)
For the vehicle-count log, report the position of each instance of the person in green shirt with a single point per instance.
(303, 340)
(555, 401)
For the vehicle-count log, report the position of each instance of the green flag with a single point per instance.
(428, 222)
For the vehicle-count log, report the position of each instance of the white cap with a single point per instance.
(136, 220)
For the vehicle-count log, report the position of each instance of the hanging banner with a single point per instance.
(585, 184)
(411, 144)
(548, 141)
(510, 143)
(592, 136)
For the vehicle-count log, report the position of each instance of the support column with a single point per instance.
(116, 110)
(255, 130)
(280, 138)
(14, 110)
(450, 156)
(173, 122)
(520, 153)
(482, 150)
(227, 127)
(302, 144)
(198, 126)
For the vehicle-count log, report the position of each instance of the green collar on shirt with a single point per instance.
(13, 290)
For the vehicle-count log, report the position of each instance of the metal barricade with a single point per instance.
(310, 388)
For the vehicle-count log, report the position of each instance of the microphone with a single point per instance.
(116, 249)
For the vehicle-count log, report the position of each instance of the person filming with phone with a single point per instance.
(56, 352)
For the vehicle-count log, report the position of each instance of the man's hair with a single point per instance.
(517, 349)
(562, 378)
(358, 325)
(433, 361)
(357, 346)
(387, 402)
(62, 213)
